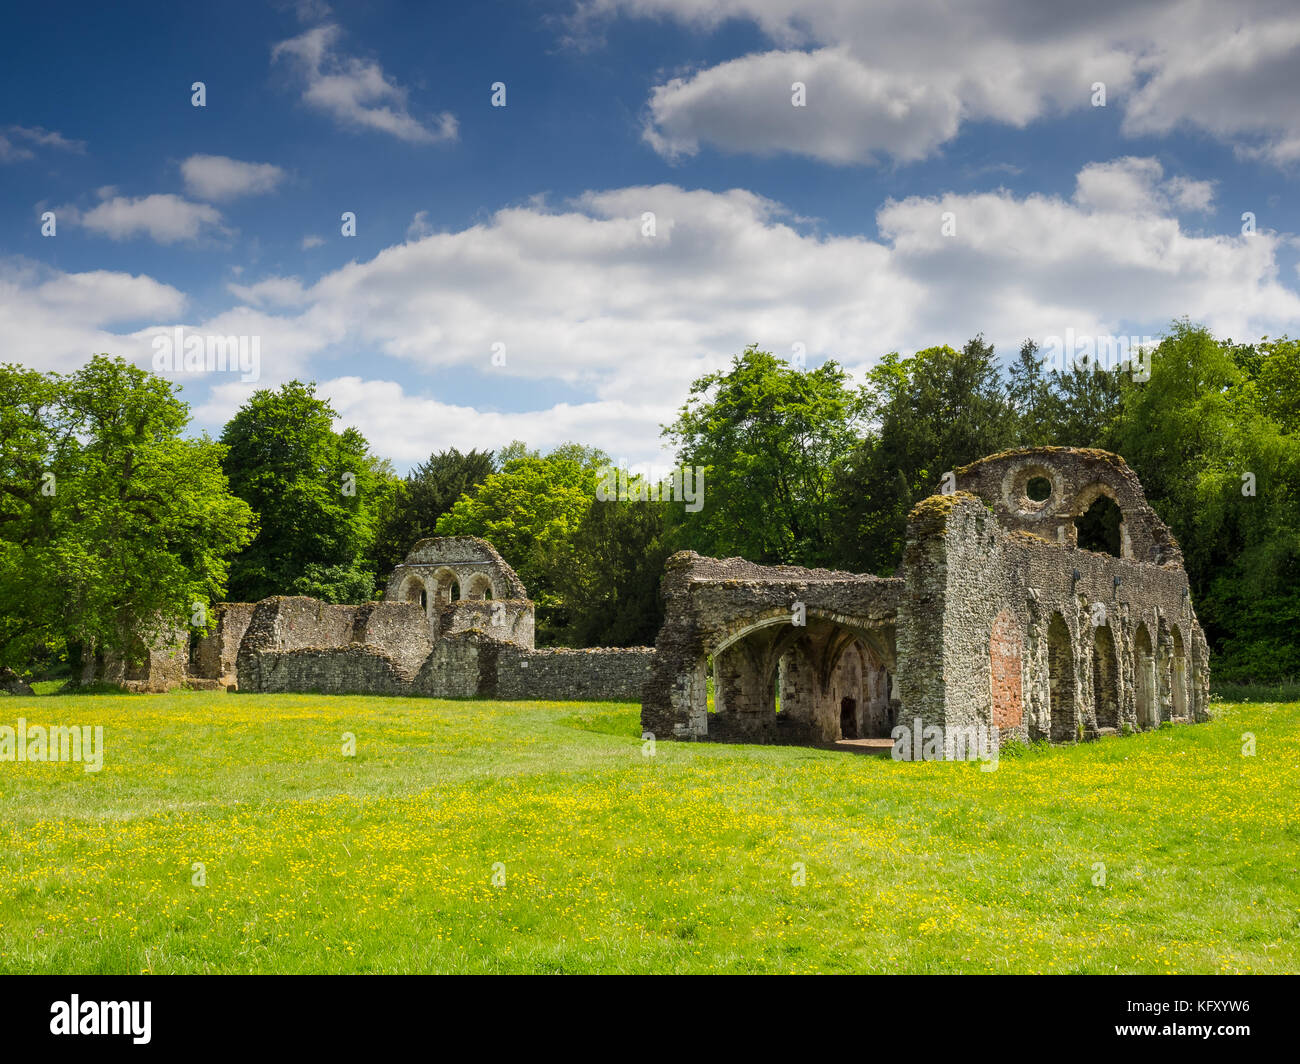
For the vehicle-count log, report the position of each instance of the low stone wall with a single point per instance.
(604, 674)
(465, 665)
(354, 669)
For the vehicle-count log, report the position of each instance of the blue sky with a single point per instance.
(815, 227)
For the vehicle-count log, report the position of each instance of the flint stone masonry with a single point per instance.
(998, 621)
(422, 639)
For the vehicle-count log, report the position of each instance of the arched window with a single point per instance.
(1098, 527)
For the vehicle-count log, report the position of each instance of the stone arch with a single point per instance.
(820, 681)
(446, 586)
(1178, 678)
(1105, 678)
(1060, 679)
(1006, 680)
(1099, 523)
(478, 587)
(1144, 679)
(413, 590)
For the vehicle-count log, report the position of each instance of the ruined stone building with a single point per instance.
(1042, 598)
(454, 622)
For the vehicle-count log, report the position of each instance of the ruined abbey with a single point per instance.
(1040, 597)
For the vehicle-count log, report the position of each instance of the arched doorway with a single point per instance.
(1105, 678)
(1060, 681)
(1179, 675)
(816, 682)
(1144, 680)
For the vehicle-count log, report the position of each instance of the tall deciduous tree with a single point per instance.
(317, 494)
(429, 491)
(930, 413)
(120, 525)
(530, 511)
(769, 437)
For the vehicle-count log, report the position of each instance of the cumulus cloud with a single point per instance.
(355, 92)
(852, 113)
(12, 151)
(898, 78)
(273, 292)
(164, 218)
(217, 177)
(408, 428)
(55, 320)
(590, 307)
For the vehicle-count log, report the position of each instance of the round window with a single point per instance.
(1039, 489)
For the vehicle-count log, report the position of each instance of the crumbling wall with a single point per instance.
(215, 653)
(352, 669)
(600, 674)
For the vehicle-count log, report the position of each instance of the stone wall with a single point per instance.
(600, 674)
(467, 664)
(215, 653)
(999, 620)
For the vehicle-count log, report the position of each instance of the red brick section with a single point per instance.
(1004, 650)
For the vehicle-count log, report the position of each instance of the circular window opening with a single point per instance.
(1039, 489)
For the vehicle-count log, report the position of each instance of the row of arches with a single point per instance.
(821, 681)
(1164, 686)
(443, 587)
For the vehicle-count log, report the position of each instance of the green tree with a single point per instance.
(612, 590)
(133, 526)
(530, 510)
(318, 495)
(929, 414)
(429, 491)
(1212, 437)
(769, 438)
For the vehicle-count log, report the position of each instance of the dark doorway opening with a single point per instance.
(1098, 527)
(848, 718)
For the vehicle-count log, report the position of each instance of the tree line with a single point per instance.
(115, 527)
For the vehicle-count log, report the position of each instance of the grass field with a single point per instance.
(614, 861)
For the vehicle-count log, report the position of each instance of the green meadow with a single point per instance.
(233, 833)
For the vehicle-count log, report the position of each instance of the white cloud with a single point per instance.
(164, 218)
(312, 241)
(408, 428)
(623, 322)
(55, 320)
(852, 113)
(355, 92)
(898, 78)
(274, 292)
(45, 138)
(419, 226)
(216, 177)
